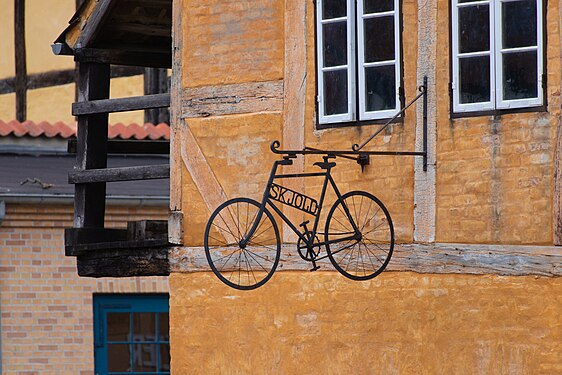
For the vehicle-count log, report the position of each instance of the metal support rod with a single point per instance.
(357, 147)
(425, 124)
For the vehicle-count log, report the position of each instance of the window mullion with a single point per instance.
(364, 114)
(352, 58)
(496, 69)
(503, 51)
(360, 59)
(323, 99)
(460, 59)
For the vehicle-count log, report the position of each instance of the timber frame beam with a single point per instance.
(122, 57)
(505, 260)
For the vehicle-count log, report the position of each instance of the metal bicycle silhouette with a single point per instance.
(242, 242)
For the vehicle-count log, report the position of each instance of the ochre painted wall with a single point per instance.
(398, 323)
(229, 42)
(495, 173)
(219, 41)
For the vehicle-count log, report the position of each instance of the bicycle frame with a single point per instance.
(268, 199)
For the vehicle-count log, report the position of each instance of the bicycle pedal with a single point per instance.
(314, 268)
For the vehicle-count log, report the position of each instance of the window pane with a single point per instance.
(164, 327)
(519, 23)
(474, 82)
(335, 44)
(145, 357)
(474, 28)
(335, 92)
(380, 88)
(377, 6)
(520, 75)
(334, 9)
(165, 357)
(118, 327)
(379, 39)
(118, 358)
(144, 327)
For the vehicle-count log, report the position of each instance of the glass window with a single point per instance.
(358, 45)
(497, 54)
(131, 334)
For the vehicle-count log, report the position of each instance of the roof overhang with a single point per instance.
(122, 32)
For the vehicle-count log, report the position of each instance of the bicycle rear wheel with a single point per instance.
(242, 267)
(365, 256)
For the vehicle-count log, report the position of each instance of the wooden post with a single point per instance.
(156, 82)
(557, 191)
(20, 60)
(89, 199)
(77, 64)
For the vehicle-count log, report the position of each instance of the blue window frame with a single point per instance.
(131, 334)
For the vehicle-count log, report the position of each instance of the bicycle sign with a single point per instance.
(242, 242)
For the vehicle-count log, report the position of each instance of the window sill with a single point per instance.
(497, 112)
(358, 123)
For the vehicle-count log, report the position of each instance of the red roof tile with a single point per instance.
(63, 130)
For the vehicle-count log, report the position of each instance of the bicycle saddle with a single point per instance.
(325, 164)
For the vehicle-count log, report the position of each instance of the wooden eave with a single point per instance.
(120, 32)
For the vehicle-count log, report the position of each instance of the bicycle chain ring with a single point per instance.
(315, 251)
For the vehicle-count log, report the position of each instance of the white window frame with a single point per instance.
(495, 54)
(356, 61)
(350, 19)
(373, 115)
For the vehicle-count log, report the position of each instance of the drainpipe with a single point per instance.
(2, 215)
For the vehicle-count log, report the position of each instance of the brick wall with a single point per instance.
(46, 309)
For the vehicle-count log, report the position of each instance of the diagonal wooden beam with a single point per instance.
(203, 176)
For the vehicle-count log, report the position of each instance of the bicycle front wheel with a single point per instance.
(363, 256)
(242, 267)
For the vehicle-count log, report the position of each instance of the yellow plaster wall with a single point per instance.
(237, 150)
(125, 87)
(494, 173)
(45, 20)
(7, 107)
(398, 323)
(7, 67)
(232, 42)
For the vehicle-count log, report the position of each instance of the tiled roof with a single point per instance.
(64, 130)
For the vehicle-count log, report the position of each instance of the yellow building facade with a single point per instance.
(474, 283)
(43, 22)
